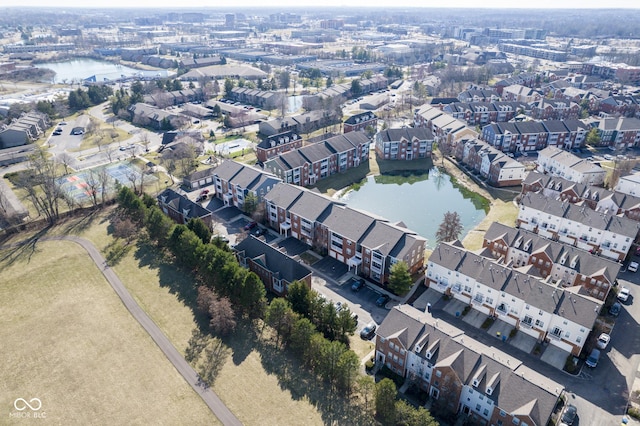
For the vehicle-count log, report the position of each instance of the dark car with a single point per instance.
(569, 415)
(382, 300)
(250, 226)
(615, 309)
(357, 283)
(368, 331)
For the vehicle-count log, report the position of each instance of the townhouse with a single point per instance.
(558, 162)
(479, 95)
(359, 122)
(596, 198)
(149, 115)
(545, 109)
(629, 184)
(599, 232)
(367, 244)
(461, 374)
(497, 168)
(273, 145)
(619, 105)
(520, 93)
(306, 165)
(276, 269)
(481, 113)
(408, 143)
(556, 262)
(180, 209)
(27, 128)
(561, 316)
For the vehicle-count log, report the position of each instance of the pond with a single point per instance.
(420, 201)
(77, 70)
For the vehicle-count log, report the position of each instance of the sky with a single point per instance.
(502, 4)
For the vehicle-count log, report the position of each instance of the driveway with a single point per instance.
(212, 400)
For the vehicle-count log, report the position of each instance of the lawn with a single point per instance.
(68, 340)
(91, 140)
(245, 381)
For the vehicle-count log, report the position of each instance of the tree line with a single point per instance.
(313, 329)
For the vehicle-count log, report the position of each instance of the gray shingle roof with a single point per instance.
(272, 259)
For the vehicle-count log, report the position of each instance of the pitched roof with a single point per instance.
(274, 260)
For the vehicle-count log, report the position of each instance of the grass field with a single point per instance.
(244, 380)
(68, 340)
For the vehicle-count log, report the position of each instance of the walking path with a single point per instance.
(218, 408)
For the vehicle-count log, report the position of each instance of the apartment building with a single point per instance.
(306, 165)
(368, 245)
(408, 143)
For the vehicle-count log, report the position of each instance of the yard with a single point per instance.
(68, 340)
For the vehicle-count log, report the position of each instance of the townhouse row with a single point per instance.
(461, 374)
(600, 232)
(540, 308)
(368, 245)
(558, 162)
(595, 197)
(308, 164)
(560, 264)
(496, 167)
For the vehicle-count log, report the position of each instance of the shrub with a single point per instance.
(397, 379)
(570, 366)
(634, 412)
(466, 310)
(487, 323)
(513, 333)
(368, 365)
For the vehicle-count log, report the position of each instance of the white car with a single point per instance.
(603, 340)
(633, 266)
(623, 294)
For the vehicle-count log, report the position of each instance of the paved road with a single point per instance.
(209, 397)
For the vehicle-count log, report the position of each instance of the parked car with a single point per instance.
(603, 341)
(568, 415)
(623, 294)
(260, 231)
(368, 331)
(633, 267)
(615, 309)
(249, 226)
(357, 283)
(593, 358)
(382, 300)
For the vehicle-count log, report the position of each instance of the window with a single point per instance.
(438, 373)
(503, 413)
(516, 421)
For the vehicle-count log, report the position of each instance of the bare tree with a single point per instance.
(109, 152)
(93, 186)
(450, 228)
(65, 159)
(124, 228)
(145, 140)
(136, 178)
(42, 185)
